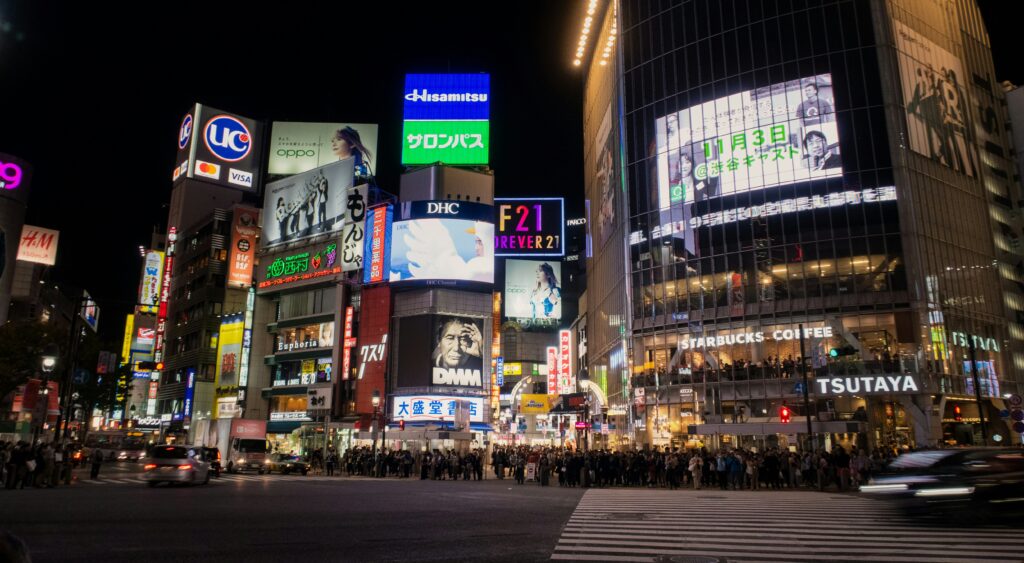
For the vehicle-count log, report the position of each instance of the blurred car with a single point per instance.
(212, 456)
(285, 464)
(176, 464)
(969, 485)
(131, 454)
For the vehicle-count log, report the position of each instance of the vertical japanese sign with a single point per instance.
(347, 345)
(243, 377)
(374, 325)
(552, 370)
(165, 292)
(564, 373)
(353, 232)
(378, 244)
(499, 370)
(496, 380)
(126, 346)
(244, 229)
(152, 277)
(190, 391)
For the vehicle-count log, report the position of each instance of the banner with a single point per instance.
(244, 230)
(297, 147)
(152, 277)
(377, 248)
(307, 204)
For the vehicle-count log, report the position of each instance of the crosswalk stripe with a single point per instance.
(799, 526)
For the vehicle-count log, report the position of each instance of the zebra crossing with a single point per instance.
(760, 526)
(223, 479)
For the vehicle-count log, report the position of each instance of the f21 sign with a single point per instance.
(529, 226)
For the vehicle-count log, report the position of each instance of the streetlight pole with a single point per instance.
(376, 411)
(807, 401)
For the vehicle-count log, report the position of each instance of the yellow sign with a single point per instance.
(534, 404)
(514, 369)
(229, 356)
(126, 347)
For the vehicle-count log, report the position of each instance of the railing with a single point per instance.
(759, 372)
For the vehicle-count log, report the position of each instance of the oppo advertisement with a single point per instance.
(529, 227)
(297, 147)
(771, 136)
(218, 147)
(533, 292)
(442, 243)
(441, 350)
(307, 204)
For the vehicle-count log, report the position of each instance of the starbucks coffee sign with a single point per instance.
(866, 385)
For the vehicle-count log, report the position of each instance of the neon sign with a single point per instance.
(10, 175)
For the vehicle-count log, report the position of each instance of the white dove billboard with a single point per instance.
(443, 243)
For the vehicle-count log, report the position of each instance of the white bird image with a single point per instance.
(432, 252)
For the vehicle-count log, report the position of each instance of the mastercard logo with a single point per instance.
(208, 168)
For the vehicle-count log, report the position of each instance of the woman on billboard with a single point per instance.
(346, 143)
(546, 295)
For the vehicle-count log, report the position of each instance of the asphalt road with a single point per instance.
(280, 518)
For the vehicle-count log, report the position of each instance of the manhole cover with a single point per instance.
(685, 559)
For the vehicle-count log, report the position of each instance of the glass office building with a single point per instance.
(828, 180)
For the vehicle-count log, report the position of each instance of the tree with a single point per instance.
(21, 347)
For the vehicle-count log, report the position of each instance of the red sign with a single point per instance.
(374, 325)
(165, 293)
(346, 350)
(564, 376)
(152, 389)
(378, 236)
(552, 370)
(243, 246)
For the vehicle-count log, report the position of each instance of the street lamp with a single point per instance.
(376, 412)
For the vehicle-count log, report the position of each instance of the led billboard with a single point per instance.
(771, 136)
(446, 119)
(533, 292)
(218, 147)
(297, 147)
(38, 245)
(308, 204)
(529, 227)
(441, 350)
(442, 243)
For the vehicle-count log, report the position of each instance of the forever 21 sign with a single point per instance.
(529, 226)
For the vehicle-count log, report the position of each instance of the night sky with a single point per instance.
(93, 96)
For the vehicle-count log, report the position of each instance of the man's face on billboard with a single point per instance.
(452, 355)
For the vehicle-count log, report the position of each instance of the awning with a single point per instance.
(282, 426)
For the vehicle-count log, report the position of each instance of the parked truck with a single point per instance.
(242, 443)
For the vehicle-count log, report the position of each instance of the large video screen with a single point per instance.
(441, 350)
(533, 291)
(297, 147)
(442, 243)
(771, 136)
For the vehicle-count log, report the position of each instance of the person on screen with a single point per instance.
(346, 143)
(819, 155)
(458, 345)
(813, 110)
(281, 214)
(546, 295)
(692, 188)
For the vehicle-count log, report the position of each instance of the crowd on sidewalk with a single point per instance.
(42, 465)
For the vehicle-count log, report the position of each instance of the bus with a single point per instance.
(120, 445)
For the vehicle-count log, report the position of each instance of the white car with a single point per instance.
(176, 464)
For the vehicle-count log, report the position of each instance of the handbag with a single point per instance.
(31, 464)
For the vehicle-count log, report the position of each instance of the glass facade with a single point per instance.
(770, 187)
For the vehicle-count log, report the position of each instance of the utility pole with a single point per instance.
(807, 401)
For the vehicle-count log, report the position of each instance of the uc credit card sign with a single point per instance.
(446, 119)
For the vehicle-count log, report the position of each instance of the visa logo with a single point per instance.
(240, 177)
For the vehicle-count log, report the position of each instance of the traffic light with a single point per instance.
(956, 413)
(401, 425)
(846, 350)
(149, 366)
(784, 414)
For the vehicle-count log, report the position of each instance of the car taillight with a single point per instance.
(149, 466)
(186, 466)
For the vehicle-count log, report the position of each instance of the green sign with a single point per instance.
(450, 142)
(288, 265)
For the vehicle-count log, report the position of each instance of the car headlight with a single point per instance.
(241, 461)
(266, 461)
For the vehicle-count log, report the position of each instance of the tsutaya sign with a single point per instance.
(867, 384)
(754, 337)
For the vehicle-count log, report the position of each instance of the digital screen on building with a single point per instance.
(442, 350)
(529, 227)
(297, 147)
(771, 136)
(442, 243)
(308, 204)
(533, 292)
(446, 119)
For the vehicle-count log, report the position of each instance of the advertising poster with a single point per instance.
(436, 408)
(354, 231)
(442, 243)
(297, 147)
(219, 147)
(534, 403)
(446, 119)
(533, 292)
(372, 345)
(604, 175)
(38, 245)
(244, 229)
(936, 101)
(529, 226)
(442, 350)
(152, 277)
(306, 264)
(307, 204)
(229, 352)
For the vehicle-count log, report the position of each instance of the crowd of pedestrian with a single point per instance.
(41, 465)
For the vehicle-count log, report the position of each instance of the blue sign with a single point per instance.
(445, 97)
(499, 365)
(227, 138)
(799, 388)
(80, 376)
(185, 131)
(377, 244)
(190, 391)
